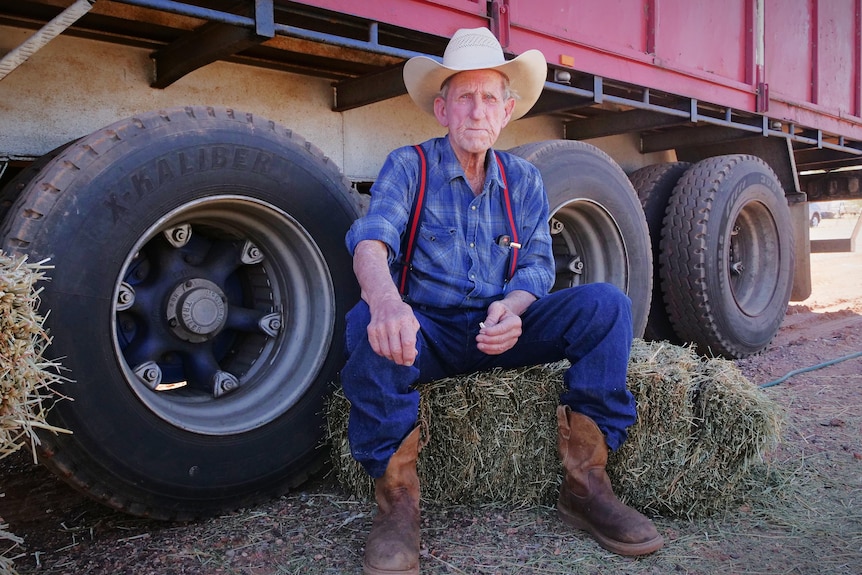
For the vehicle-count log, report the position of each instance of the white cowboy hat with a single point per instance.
(476, 49)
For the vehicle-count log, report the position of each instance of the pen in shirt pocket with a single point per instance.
(505, 241)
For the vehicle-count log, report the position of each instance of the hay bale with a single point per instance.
(25, 376)
(492, 436)
(7, 567)
(701, 427)
(487, 438)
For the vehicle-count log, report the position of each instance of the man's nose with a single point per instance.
(479, 108)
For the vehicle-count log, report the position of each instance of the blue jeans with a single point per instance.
(589, 325)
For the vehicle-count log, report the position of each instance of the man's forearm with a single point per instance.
(371, 266)
(393, 327)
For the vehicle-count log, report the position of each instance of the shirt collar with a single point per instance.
(454, 170)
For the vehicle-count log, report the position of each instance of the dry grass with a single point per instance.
(492, 436)
(25, 376)
(701, 426)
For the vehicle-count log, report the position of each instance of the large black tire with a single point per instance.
(598, 228)
(727, 256)
(654, 185)
(11, 191)
(197, 300)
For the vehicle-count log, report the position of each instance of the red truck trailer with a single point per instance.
(190, 169)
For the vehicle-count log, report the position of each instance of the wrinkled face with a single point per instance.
(474, 110)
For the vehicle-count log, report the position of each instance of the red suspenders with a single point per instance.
(408, 241)
(514, 244)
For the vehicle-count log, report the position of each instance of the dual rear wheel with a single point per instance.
(704, 250)
(723, 245)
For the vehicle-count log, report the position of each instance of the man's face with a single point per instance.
(474, 110)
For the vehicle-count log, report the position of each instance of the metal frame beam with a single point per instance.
(692, 137)
(212, 42)
(554, 103)
(620, 123)
(820, 159)
(368, 89)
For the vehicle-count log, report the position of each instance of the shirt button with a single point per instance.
(472, 276)
(472, 245)
(473, 208)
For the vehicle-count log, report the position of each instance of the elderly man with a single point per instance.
(455, 264)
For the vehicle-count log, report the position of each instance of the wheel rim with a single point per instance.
(753, 258)
(223, 315)
(587, 242)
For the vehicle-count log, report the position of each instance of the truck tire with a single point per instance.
(597, 226)
(11, 191)
(654, 185)
(197, 300)
(727, 256)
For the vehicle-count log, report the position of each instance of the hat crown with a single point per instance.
(473, 49)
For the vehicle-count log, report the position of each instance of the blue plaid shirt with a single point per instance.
(458, 261)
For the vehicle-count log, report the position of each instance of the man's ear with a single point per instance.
(510, 107)
(440, 111)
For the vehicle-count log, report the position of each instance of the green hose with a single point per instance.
(810, 368)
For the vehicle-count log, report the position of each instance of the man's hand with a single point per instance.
(502, 326)
(393, 327)
(392, 331)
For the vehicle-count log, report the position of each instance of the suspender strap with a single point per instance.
(513, 229)
(408, 241)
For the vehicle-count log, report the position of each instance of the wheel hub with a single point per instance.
(196, 310)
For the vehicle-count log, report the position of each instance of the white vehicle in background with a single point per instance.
(833, 210)
(814, 214)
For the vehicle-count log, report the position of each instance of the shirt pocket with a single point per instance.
(498, 262)
(439, 250)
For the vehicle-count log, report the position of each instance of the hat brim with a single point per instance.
(424, 76)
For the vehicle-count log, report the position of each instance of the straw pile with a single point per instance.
(492, 436)
(25, 376)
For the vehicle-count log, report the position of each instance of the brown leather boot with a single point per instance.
(393, 544)
(587, 500)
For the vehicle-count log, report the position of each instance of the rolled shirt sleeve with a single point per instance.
(391, 198)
